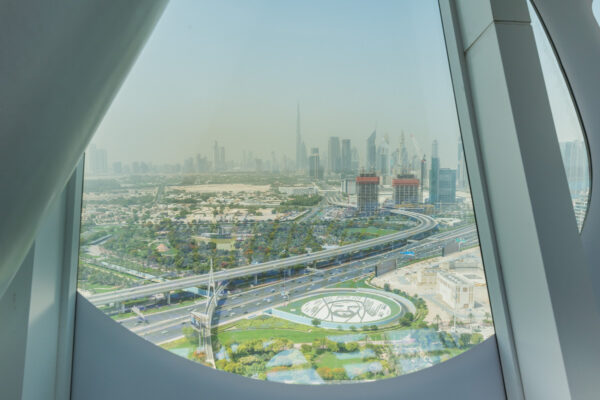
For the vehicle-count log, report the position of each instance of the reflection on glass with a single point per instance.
(288, 200)
(573, 147)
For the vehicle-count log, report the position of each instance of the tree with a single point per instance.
(332, 346)
(476, 338)
(339, 374)
(316, 322)
(325, 373)
(386, 287)
(351, 347)
(191, 335)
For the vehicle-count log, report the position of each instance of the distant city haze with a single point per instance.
(235, 71)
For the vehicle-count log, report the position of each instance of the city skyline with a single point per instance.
(242, 90)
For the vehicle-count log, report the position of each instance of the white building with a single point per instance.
(455, 291)
(299, 190)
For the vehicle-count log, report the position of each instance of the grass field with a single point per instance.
(371, 231)
(266, 327)
(331, 361)
(354, 283)
(184, 303)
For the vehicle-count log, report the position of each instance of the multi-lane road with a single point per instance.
(166, 325)
(424, 223)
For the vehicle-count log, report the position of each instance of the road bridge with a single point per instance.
(424, 225)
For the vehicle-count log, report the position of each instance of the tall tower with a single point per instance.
(299, 144)
(423, 174)
(216, 156)
(403, 154)
(367, 193)
(371, 152)
(334, 160)
(346, 156)
(434, 174)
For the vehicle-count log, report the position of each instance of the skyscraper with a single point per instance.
(334, 160)
(372, 152)
(447, 186)
(423, 175)
(434, 174)
(574, 155)
(98, 160)
(403, 155)
(405, 189)
(216, 156)
(300, 146)
(346, 156)
(315, 170)
(367, 193)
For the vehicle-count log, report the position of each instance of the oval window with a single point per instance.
(573, 144)
(279, 191)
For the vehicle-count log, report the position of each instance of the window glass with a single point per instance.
(573, 146)
(279, 191)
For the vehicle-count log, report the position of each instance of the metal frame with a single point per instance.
(481, 204)
(74, 192)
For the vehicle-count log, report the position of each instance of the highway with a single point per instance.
(424, 224)
(166, 325)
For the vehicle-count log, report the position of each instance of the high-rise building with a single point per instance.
(334, 160)
(355, 160)
(202, 163)
(372, 152)
(188, 165)
(434, 174)
(405, 189)
(346, 156)
(222, 162)
(315, 170)
(383, 160)
(447, 186)
(367, 193)
(117, 167)
(98, 160)
(574, 155)
(301, 156)
(216, 156)
(349, 186)
(423, 176)
(404, 164)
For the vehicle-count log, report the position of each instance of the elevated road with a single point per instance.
(424, 225)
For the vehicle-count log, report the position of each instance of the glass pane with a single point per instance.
(279, 191)
(573, 145)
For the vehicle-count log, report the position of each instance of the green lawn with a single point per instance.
(354, 283)
(372, 231)
(155, 310)
(266, 327)
(329, 360)
(182, 343)
(296, 336)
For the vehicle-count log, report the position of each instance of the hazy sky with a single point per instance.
(233, 71)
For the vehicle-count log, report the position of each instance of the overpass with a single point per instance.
(424, 225)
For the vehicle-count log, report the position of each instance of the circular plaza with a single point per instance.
(346, 308)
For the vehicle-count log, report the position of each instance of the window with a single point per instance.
(573, 146)
(279, 191)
